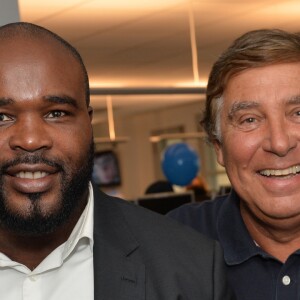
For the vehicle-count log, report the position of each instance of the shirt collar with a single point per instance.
(84, 227)
(238, 246)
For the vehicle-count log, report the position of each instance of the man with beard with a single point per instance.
(60, 237)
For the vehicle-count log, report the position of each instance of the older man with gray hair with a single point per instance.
(252, 119)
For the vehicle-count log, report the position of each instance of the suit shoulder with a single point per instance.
(148, 225)
(174, 256)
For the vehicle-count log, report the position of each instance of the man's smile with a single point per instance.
(281, 172)
(31, 178)
(34, 170)
(31, 175)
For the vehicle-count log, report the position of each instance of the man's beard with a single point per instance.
(73, 185)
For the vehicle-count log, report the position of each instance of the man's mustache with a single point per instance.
(31, 159)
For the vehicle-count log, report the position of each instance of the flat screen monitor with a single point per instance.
(106, 171)
(164, 202)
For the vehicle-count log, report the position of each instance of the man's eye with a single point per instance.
(248, 123)
(296, 115)
(4, 118)
(249, 120)
(56, 114)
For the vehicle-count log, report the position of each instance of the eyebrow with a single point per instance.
(243, 105)
(62, 100)
(52, 99)
(5, 101)
(294, 100)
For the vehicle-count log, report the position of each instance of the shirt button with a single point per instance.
(286, 280)
(32, 278)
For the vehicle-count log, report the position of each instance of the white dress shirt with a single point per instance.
(66, 273)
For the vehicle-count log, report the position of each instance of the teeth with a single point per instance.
(31, 175)
(289, 171)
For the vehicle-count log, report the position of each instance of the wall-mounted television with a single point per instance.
(106, 170)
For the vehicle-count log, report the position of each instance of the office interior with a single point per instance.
(148, 62)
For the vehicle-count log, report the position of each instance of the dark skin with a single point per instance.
(31, 251)
(40, 70)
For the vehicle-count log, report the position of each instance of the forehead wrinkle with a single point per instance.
(241, 105)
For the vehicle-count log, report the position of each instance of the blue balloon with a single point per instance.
(180, 164)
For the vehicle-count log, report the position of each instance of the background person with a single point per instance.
(106, 169)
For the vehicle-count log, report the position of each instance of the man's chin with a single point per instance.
(32, 223)
(37, 214)
(32, 228)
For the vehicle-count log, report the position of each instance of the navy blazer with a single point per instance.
(141, 255)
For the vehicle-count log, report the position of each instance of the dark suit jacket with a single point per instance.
(141, 255)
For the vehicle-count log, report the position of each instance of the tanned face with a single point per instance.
(45, 135)
(260, 125)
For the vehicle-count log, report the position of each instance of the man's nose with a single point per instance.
(281, 137)
(30, 134)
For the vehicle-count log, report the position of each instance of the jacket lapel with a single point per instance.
(118, 275)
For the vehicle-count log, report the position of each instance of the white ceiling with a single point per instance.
(147, 44)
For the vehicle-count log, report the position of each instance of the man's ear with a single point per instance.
(91, 112)
(219, 152)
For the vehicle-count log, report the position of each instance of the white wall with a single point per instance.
(9, 11)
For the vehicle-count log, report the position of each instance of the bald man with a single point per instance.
(60, 237)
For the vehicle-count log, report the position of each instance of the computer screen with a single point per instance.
(164, 202)
(106, 170)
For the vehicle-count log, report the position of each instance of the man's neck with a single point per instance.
(279, 238)
(29, 251)
(32, 250)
